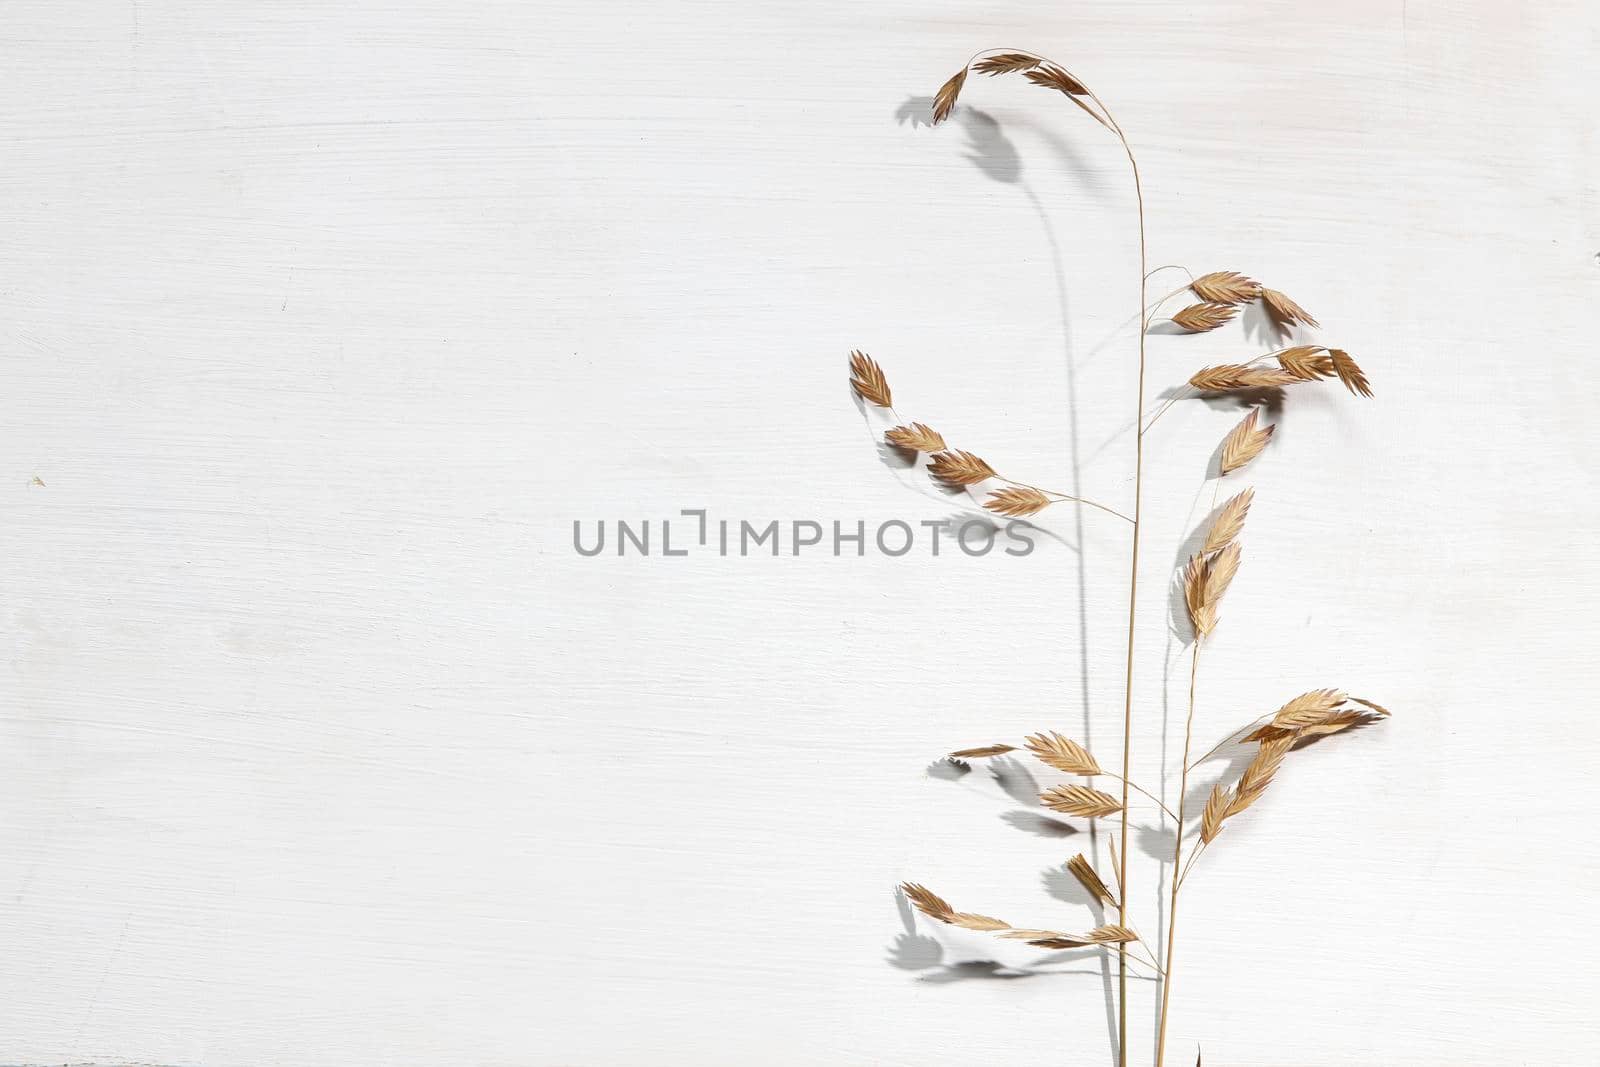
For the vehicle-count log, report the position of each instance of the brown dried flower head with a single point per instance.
(1062, 753)
(1017, 501)
(1199, 318)
(915, 438)
(1080, 800)
(867, 379)
(1350, 374)
(1286, 311)
(1244, 443)
(956, 468)
(1230, 522)
(1053, 77)
(1006, 63)
(1089, 878)
(1306, 362)
(1227, 377)
(944, 101)
(1225, 287)
(980, 753)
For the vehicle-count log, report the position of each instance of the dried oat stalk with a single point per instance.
(1205, 580)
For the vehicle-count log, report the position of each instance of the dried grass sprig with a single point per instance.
(1225, 287)
(1286, 311)
(981, 753)
(915, 437)
(867, 379)
(1205, 579)
(1244, 443)
(1080, 800)
(1006, 63)
(1051, 76)
(1017, 501)
(1350, 374)
(1228, 377)
(1062, 753)
(959, 469)
(1199, 318)
(1089, 878)
(944, 101)
(1229, 523)
(1306, 362)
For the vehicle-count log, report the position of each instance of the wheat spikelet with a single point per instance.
(1062, 753)
(1194, 595)
(1199, 318)
(1286, 311)
(1307, 708)
(915, 438)
(1339, 720)
(1053, 77)
(1225, 287)
(867, 379)
(1080, 800)
(927, 901)
(980, 753)
(1089, 878)
(945, 99)
(1216, 811)
(1306, 362)
(1219, 574)
(934, 906)
(1017, 501)
(1230, 522)
(1259, 774)
(1006, 63)
(1035, 936)
(956, 468)
(1350, 374)
(1100, 935)
(1244, 443)
(1379, 708)
(1229, 376)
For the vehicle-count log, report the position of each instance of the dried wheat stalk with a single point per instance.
(1205, 579)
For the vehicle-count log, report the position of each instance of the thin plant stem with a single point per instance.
(1177, 859)
(1141, 789)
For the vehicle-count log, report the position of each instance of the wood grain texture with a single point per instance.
(320, 745)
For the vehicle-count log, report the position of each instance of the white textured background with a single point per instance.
(319, 744)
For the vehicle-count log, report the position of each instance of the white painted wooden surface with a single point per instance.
(319, 744)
